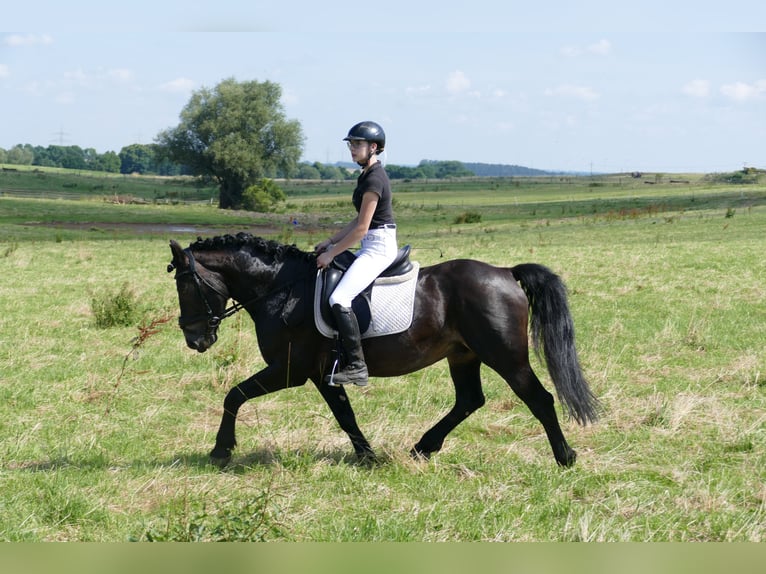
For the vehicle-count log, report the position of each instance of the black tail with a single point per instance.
(553, 330)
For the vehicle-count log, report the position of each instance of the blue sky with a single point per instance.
(667, 86)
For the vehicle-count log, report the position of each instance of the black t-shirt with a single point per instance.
(375, 180)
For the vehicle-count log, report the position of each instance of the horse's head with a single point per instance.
(201, 296)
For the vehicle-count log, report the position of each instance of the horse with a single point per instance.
(466, 311)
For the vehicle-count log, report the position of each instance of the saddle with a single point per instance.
(362, 304)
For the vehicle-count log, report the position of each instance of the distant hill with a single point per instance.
(502, 170)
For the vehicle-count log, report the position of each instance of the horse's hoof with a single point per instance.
(420, 455)
(220, 463)
(367, 459)
(569, 460)
(220, 458)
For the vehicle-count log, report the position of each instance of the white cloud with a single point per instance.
(458, 82)
(178, 85)
(5, 71)
(462, 119)
(19, 40)
(34, 88)
(584, 93)
(570, 51)
(600, 48)
(98, 79)
(417, 90)
(120, 74)
(697, 88)
(65, 98)
(77, 75)
(741, 91)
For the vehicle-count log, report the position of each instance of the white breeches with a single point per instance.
(378, 251)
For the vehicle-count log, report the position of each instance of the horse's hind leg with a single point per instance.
(337, 399)
(527, 386)
(469, 397)
(509, 357)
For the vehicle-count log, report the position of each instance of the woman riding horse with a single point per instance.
(466, 311)
(374, 226)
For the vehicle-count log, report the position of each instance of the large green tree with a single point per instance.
(236, 133)
(137, 158)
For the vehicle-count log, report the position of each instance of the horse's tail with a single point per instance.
(553, 330)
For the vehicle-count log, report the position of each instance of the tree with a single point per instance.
(20, 155)
(308, 171)
(109, 162)
(444, 169)
(330, 171)
(237, 134)
(406, 172)
(136, 158)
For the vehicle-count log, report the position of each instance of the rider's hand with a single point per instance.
(322, 246)
(324, 259)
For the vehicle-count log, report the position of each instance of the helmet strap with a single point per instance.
(366, 162)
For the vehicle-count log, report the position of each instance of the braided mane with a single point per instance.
(267, 247)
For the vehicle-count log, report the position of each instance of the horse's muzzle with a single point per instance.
(203, 343)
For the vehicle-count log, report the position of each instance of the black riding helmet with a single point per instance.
(367, 131)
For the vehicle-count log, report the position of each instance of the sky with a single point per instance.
(573, 86)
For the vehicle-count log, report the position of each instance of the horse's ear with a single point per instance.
(180, 259)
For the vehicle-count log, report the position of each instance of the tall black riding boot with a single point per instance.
(355, 370)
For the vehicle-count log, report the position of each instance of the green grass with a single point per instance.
(105, 432)
(60, 183)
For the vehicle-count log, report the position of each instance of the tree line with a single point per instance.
(136, 158)
(235, 134)
(146, 159)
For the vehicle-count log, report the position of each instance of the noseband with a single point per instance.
(213, 320)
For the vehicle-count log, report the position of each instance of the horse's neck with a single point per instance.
(253, 276)
(246, 275)
(235, 272)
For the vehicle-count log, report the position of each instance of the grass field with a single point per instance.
(105, 432)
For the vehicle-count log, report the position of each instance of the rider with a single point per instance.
(374, 226)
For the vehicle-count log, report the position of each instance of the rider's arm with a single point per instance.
(353, 233)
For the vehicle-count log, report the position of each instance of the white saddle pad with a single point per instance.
(392, 302)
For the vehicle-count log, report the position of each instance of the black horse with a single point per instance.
(465, 310)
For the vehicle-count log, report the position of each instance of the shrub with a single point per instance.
(746, 176)
(262, 196)
(252, 521)
(118, 309)
(467, 217)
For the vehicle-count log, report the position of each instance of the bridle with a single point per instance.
(213, 320)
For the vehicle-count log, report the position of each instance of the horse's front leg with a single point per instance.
(272, 378)
(337, 399)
